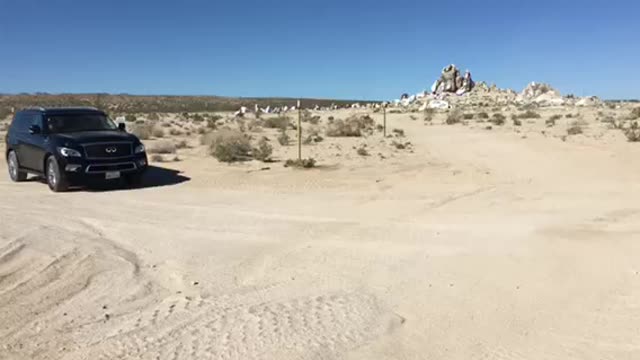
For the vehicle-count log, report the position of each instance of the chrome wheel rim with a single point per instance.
(13, 167)
(51, 174)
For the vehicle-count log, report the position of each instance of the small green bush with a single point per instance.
(301, 164)
(263, 151)
(280, 122)
(228, 146)
(283, 138)
(498, 119)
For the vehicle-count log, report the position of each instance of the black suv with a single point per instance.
(70, 146)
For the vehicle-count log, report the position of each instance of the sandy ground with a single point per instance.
(478, 244)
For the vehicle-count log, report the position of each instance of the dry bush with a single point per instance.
(398, 132)
(301, 164)
(635, 113)
(161, 147)
(263, 151)
(215, 117)
(362, 151)
(574, 129)
(428, 114)
(280, 122)
(182, 144)
(353, 126)
(569, 116)
(175, 132)
(157, 132)
(157, 158)
(153, 117)
(529, 114)
(254, 125)
(211, 124)
(142, 131)
(130, 118)
(454, 117)
(228, 145)
(197, 118)
(483, 115)
(201, 131)
(498, 119)
(517, 122)
(633, 132)
(166, 124)
(283, 138)
(468, 116)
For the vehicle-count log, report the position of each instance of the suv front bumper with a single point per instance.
(79, 169)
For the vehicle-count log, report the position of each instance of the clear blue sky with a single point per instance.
(327, 49)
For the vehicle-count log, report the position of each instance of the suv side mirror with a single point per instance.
(122, 126)
(34, 129)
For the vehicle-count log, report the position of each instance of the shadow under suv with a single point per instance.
(70, 146)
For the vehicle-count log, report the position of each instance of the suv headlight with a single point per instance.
(66, 152)
(140, 149)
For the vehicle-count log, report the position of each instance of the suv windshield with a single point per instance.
(79, 122)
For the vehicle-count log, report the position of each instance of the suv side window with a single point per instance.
(21, 122)
(36, 119)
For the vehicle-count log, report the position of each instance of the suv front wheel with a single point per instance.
(55, 178)
(14, 168)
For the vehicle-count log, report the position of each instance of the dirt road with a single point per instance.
(479, 245)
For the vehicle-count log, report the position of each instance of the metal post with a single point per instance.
(384, 120)
(299, 132)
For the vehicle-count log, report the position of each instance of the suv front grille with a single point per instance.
(108, 150)
(102, 168)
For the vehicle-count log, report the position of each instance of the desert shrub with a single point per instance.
(517, 122)
(574, 129)
(142, 131)
(157, 132)
(162, 147)
(182, 144)
(353, 126)
(633, 135)
(263, 151)
(254, 125)
(428, 114)
(498, 119)
(398, 132)
(130, 118)
(176, 159)
(197, 118)
(215, 117)
(330, 118)
(280, 122)
(228, 145)
(201, 130)
(301, 164)
(166, 124)
(211, 124)
(454, 117)
(468, 116)
(157, 158)
(569, 116)
(483, 115)
(529, 114)
(153, 117)
(398, 145)
(362, 151)
(635, 113)
(283, 138)
(175, 132)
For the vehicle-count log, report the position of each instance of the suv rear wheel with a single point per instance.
(55, 178)
(14, 168)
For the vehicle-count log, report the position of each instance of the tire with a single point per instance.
(56, 179)
(14, 168)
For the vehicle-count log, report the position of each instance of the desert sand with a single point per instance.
(515, 242)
